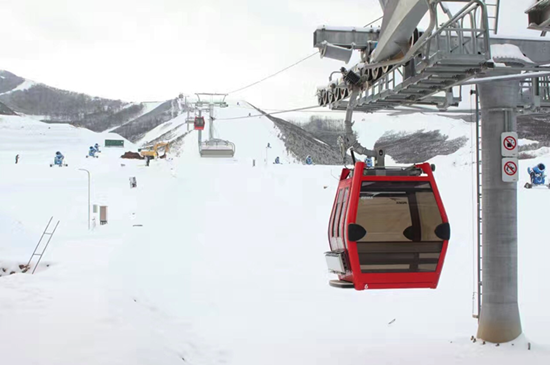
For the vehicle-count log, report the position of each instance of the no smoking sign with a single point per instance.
(510, 169)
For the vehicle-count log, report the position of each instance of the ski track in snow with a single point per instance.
(227, 266)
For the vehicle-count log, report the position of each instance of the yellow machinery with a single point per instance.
(152, 152)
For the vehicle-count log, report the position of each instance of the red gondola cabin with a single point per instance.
(199, 123)
(388, 229)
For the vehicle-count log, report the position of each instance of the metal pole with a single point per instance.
(349, 139)
(88, 196)
(478, 192)
(499, 318)
(266, 154)
(211, 130)
(200, 132)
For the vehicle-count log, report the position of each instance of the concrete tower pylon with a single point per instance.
(499, 320)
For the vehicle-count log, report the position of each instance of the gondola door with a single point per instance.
(338, 258)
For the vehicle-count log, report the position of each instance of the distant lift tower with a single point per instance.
(178, 105)
(213, 147)
(403, 66)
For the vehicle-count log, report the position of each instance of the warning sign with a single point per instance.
(509, 145)
(509, 169)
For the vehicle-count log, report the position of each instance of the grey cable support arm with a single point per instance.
(350, 141)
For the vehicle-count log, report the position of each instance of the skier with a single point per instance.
(16, 159)
(58, 160)
(96, 146)
(91, 152)
(277, 161)
(309, 161)
(537, 175)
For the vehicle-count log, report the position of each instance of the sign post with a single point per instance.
(88, 172)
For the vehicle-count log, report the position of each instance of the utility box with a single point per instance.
(539, 16)
(114, 143)
(103, 214)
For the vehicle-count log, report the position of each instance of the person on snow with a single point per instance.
(537, 174)
(309, 160)
(277, 161)
(368, 162)
(91, 152)
(16, 159)
(96, 146)
(58, 159)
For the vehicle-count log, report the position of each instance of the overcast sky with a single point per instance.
(143, 50)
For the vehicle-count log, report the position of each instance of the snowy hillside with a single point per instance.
(217, 261)
(43, 102)
(37, 142)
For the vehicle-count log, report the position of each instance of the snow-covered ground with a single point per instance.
(213, 261)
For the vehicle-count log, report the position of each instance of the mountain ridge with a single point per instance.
(54, 105)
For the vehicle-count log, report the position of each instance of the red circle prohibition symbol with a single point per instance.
(510, 168)
(509, 143)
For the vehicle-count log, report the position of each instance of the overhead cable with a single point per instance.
(275, 74)
(374, 21)
(268, 114)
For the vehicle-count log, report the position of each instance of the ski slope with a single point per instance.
(217, 261)
(173, 126)
(27, 84)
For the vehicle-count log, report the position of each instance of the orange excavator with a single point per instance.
(153, 151)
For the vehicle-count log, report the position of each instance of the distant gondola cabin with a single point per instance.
(199, 123)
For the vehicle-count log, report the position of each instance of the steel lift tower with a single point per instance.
(404, 66)
(213, 147)
(178, 105)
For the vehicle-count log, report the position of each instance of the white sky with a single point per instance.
(143, 50)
